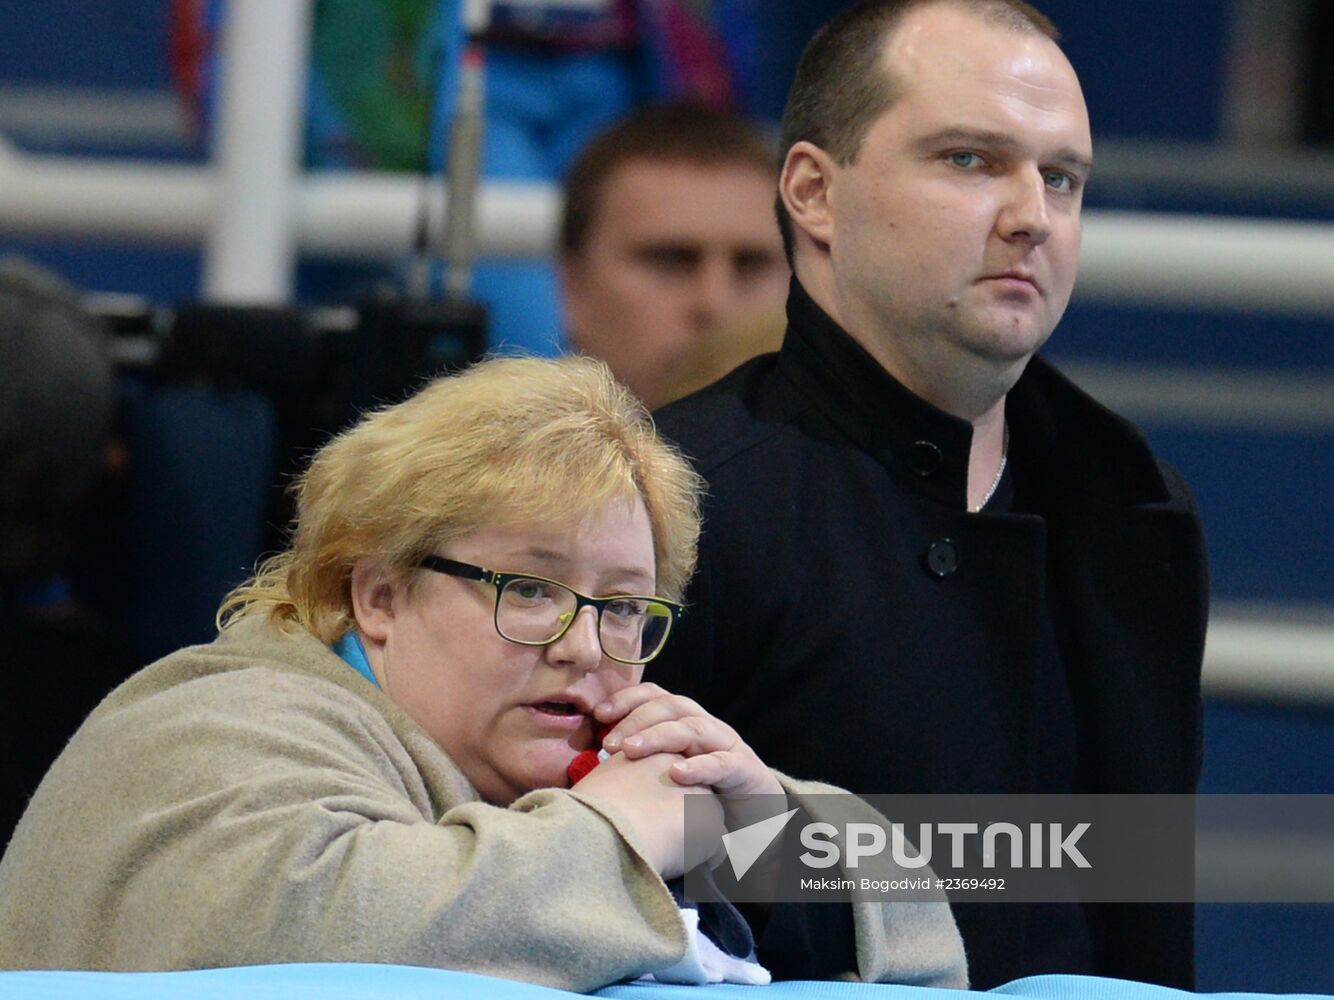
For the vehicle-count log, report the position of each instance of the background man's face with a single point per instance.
(956, 231)
(675, 252)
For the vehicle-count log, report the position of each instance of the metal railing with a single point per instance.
(1252, 654)
(1282, 267)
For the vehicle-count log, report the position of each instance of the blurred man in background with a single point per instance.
(668, 249)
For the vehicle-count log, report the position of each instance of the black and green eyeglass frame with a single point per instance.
(661, 614)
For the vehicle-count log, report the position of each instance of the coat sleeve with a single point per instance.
(247, 820)
(909, 943)
(1181, 497)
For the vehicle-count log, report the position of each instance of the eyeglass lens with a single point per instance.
(536, 611)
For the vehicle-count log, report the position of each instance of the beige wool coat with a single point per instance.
(256, 801)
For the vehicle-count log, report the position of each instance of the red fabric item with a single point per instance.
(188, 48)
(586, 760)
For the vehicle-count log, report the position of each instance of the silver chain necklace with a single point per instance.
(1005, 457)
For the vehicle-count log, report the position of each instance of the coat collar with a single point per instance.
(1059, 434)
(924, 446)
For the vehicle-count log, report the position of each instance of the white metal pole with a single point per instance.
(465, 153)
(1195, 262)
(251, 244)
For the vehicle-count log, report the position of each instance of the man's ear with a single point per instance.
(805, 184)
(376, 596)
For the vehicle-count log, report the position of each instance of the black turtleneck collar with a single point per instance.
(1054, 426)
(906, 434)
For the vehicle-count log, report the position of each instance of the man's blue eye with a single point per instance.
(965, 159)
(1059, 180)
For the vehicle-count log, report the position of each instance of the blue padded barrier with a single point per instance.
(399, 982)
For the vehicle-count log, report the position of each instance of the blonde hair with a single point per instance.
(510, 441)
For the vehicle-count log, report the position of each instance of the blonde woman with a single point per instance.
(369, 762)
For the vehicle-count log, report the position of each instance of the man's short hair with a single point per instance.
(681, 132)
(841, 87)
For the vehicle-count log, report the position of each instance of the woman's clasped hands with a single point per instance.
(664, 747)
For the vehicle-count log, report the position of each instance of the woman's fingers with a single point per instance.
(626, 700)
(646, 720)
(727, 772)
(630, 716)
(688, 736)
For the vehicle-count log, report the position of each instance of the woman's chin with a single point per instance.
(546, 765)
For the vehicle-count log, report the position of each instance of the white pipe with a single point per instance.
(1270, 660)
(476, 16)
(251, 244)
(93, 118)
(1232, 397)
(141, 201)
(375, 215)
(1194, 261)
(1188, 261)
(337, 213)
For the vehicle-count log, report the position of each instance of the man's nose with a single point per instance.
(580, 646)
(714, 289)
(1024, 216)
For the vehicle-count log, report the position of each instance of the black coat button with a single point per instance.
(942, 558)
(924, 458)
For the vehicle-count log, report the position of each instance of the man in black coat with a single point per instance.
(930, 564)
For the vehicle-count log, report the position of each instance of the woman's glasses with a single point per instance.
(535, 611)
